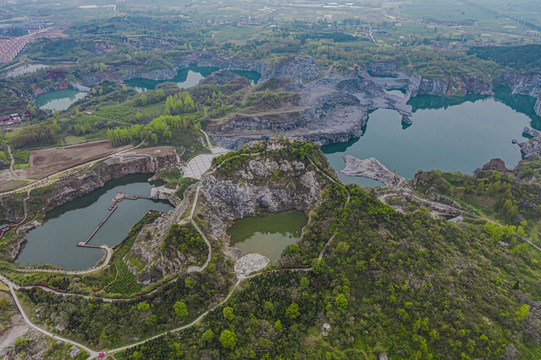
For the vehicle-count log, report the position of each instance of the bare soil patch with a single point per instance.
(49, 161)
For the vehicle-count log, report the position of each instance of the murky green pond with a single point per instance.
(451, 134)
(54, 242)
(59, 99)
(187, 78)
(268, 234)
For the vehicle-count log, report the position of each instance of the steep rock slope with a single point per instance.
(260, 177)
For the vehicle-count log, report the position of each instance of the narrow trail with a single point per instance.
(94, 354)
(12, 164)
(53, 178)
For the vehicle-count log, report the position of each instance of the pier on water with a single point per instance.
(116, 199)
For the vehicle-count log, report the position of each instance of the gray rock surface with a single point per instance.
(538, 105)
(531, 148)
(531, 132)
(263, 184)
(370, 168)
(296, 68)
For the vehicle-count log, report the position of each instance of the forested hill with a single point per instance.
(407, 285)
(521, 58)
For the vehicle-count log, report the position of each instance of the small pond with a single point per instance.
(54, 242)
(59, 99)
(186, 78)
(268, 234)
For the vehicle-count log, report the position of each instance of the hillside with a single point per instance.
(363, 280)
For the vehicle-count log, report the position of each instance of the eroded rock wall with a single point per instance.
(264, 183)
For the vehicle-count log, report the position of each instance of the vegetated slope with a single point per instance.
(411, 286)
(511, 196)
(408, 285)
(522, 58)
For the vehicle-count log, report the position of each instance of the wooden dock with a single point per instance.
(116, 199)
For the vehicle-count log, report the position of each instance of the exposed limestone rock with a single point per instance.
(531, 132)
(263, 183)
(526, 84)
(432, 87)
(538, 105)
(147, 244)
(370, 168)
(249, 264)
(531, 148)
(161, 74)
(333, 109)
(433, 195)
(74, 187)
(382, 69)
(211, 59)
(222, 77)
(296, 68)
(496, 165)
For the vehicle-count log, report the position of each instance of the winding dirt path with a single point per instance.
(94, 354)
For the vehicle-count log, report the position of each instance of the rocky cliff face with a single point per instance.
(76, 186)
(295, 68)
(272, 182)
(538, 105)
(383, 69)
(530, 149)
(157, 75)
(97, 177)
(332, 109)
(525, 84)
(71, 188)
(211, 59)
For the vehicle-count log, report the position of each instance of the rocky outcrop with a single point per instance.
(525, 84)
(273, 182)
(370, 168)
(296, 68)
(76, 186)
(96, 77)
(537, 107)
(531, 132)
(432, 87)
(98, 176)
(382, 69)
(222, 77)
(157, 75)
(530, 149)
(211, 59)
(496, 165)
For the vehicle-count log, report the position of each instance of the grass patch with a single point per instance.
(185, 183)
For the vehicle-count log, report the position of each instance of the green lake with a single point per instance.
(59, 99)
(186, 78)
(451, 134)
(54, 242)
(268, 234)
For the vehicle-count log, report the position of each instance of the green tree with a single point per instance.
(228, 313)
(207, 337)
(522, 312)
(341, 303)
(189, 282)
(293, 310)
(228, 339)
(31, 110)
(143, 306)
(181, 309)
